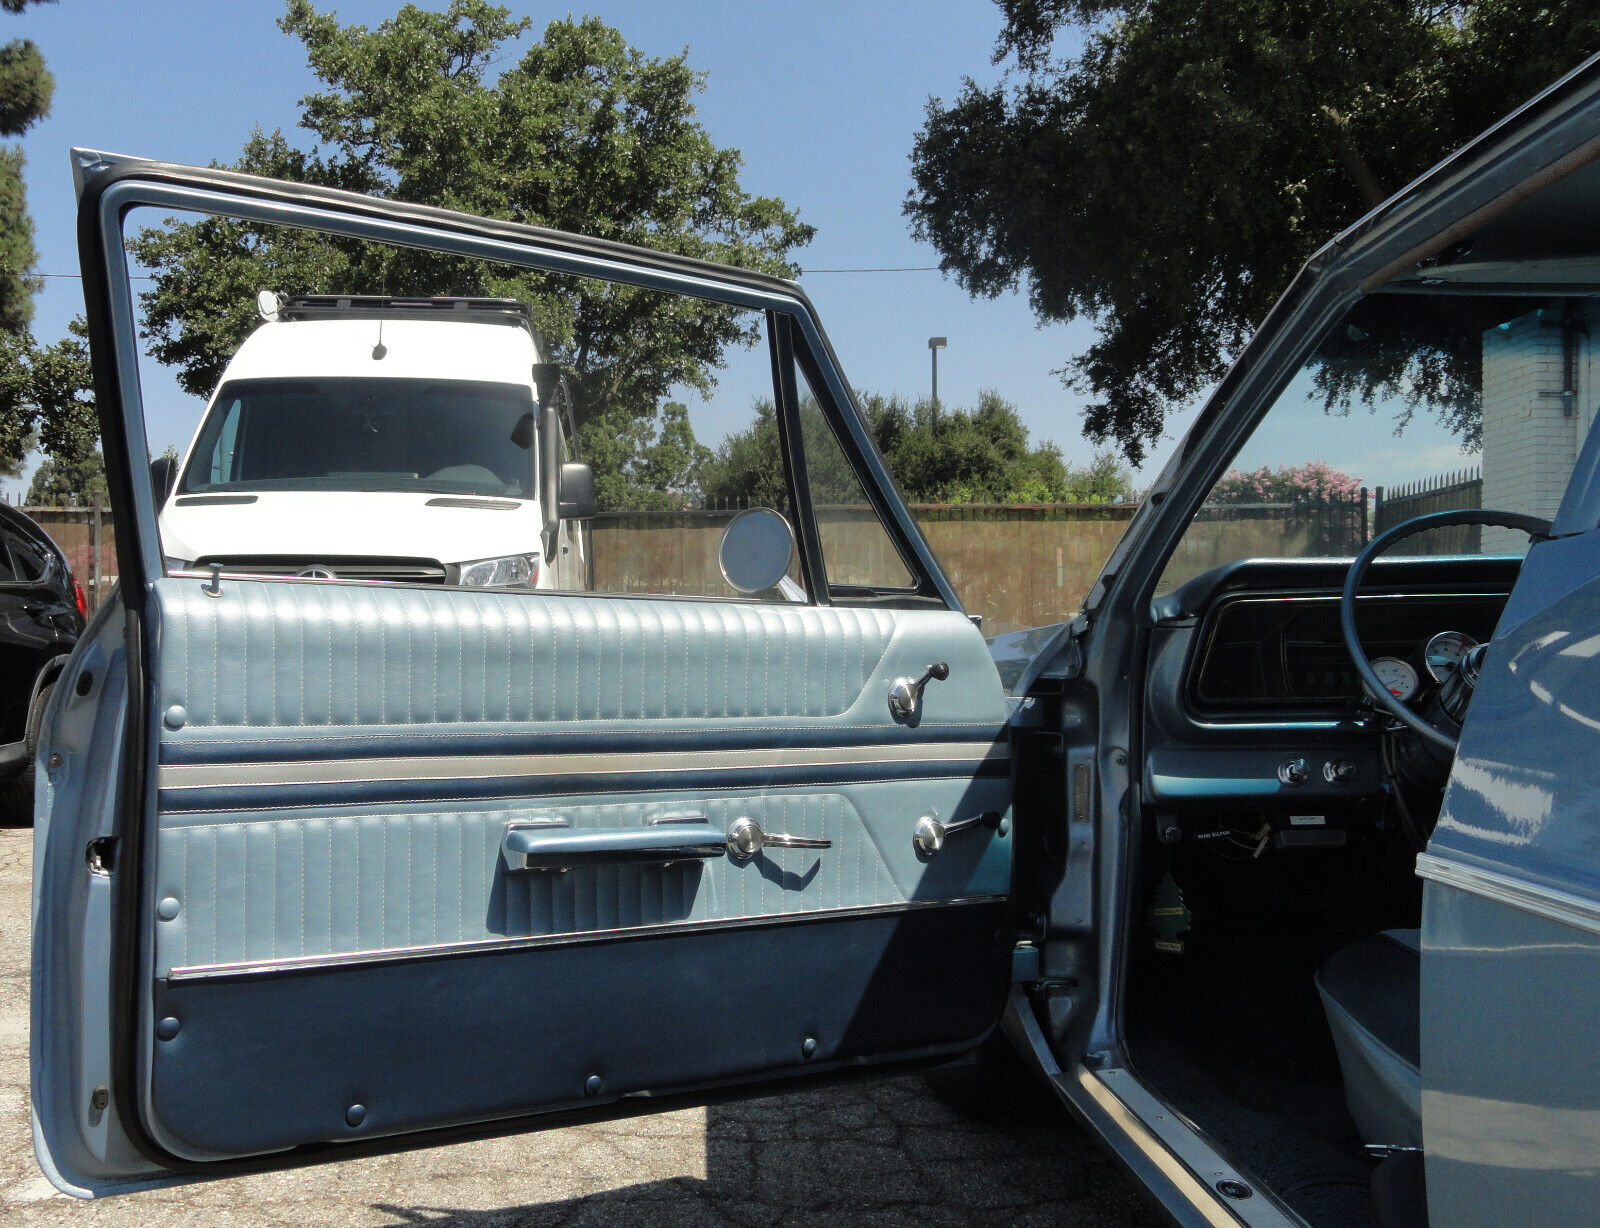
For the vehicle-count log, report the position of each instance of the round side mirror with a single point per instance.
(757, 548)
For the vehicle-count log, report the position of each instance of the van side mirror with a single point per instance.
(576, 499)
(163, 474)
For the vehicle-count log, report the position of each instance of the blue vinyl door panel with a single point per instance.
(334, 772)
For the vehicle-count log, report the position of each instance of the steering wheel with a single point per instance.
(1530, 525)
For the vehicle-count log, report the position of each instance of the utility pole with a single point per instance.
(935, 344)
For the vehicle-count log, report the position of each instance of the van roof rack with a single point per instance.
(372, 306)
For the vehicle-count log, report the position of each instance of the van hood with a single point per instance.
(316, 525)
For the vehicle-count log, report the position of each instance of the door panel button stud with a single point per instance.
(167, 910)
(593, 1085)
(355, 1115)
(167, 1028)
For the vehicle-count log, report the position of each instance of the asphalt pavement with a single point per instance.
(886, 1154)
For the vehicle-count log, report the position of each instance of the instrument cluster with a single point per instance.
(1437, 659)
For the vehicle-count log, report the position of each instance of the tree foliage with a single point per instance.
(47, 398)
(25, 90)
(78, 482)
(1315, 482)
(580, 132)
(978, 455)
(1163, 167)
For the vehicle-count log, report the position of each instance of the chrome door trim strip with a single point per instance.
(1513, 891)
(1183, 1139)
(574, 938)
(479, 767)
(1089, 1092)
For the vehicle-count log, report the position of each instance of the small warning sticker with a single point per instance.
(1308, 820)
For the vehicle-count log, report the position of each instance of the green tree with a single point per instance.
(581, 132)
(25, 90)
(980, 455)
(47, 398)
(79, 483)
(1163, 167)
(642, 464)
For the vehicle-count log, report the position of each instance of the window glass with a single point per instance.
(29, 558)
(379, 414)
(1414, 403)
(857, 550)
(7, 574)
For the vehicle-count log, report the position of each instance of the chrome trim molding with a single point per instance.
(1515, 892)
(1191, 1146)
(481, 767)
(1128, 1126)
(489, 946)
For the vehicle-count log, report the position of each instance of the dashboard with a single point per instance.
(1252, 701)
(1261, 654)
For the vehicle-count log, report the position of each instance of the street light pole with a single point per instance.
(935, 344)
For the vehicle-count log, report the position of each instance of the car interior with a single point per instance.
(1290, 776)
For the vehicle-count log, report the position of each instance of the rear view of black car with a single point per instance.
(41, 617)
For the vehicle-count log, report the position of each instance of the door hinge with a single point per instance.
(101, 856)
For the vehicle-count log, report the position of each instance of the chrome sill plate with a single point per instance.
(480, 767)
(489, 946)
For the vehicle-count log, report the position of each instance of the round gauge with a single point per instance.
(1398, 678)
(1444, 652)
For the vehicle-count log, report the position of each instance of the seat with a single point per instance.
(1371, 993)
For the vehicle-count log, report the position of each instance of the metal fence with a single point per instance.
(1443, 492)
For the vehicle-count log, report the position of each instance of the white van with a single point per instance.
(383, 439)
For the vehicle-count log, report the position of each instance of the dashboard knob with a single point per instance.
(1293, 772)
(1338, 771)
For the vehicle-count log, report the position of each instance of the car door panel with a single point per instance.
(331, 897)
(329, 861)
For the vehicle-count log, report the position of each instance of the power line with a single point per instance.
(905, 268)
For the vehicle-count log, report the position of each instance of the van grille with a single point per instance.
(394, 571)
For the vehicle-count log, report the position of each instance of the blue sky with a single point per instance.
(823, 100)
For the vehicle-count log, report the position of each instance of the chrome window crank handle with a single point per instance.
(930, 834)
(746, 839)
(905, 694)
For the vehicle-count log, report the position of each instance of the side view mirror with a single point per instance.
(575, 498)
(757, 547)
(163, 474)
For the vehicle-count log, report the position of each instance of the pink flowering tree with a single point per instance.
(1314, 482)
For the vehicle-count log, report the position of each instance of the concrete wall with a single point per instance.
(1531, 432)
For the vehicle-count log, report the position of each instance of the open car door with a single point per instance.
(324, 862)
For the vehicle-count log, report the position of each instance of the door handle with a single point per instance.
(549, 847)
(554, 845)
(930, 834)
(746, 839)
(905, 694)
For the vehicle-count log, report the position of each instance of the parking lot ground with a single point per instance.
(887, 1154)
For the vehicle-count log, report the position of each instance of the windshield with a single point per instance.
(358, 434)
(1414, 403)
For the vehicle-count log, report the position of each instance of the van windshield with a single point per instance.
(358, 434)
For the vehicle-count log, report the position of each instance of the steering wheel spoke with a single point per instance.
(1378, 694)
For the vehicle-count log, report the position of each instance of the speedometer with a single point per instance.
(1398, 678)
(1444, 652)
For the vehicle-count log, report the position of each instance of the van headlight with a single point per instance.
(512, 571)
